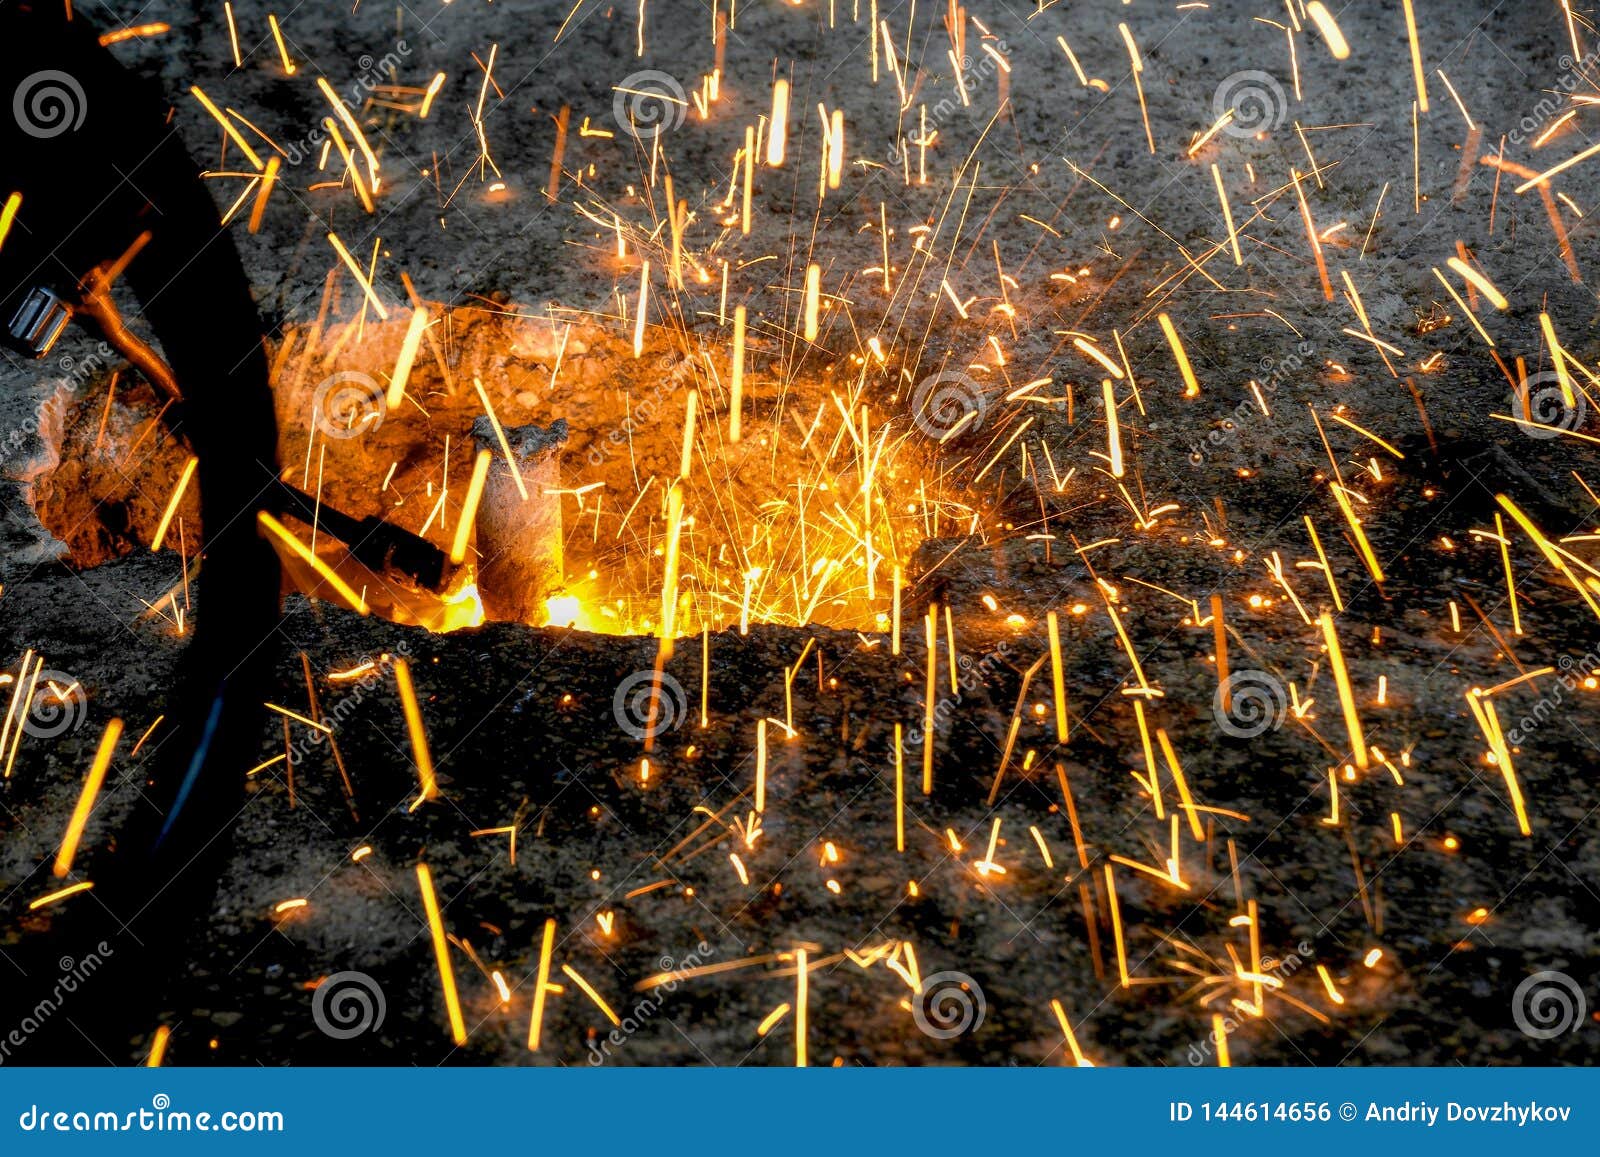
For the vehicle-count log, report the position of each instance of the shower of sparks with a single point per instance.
(832, 391)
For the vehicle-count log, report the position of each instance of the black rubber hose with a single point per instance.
(116, 170)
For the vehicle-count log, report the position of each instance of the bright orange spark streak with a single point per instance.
(836, 148)
(1108, 393)
(298, 718)
(778, 130)
(407, 358)
(86, 798)
(736, 403)
(172, 503)
(136, 32)
(669, 578)
(899, 790)
(1511, 584)
(1182, 783)
(505, 445)
(1347, 699)
(1073, 60)
(1078, 1058)
(1057, 677)
(1116, 928)
(1416, 57)
(60, 894)
(233, 33)
(427, 98)
(812, 300)
(1546, 548)
(1216, 128)
(1324, 21)
(268, 180)
(749, 176)
(158, 1047)
(1460, 104)
(1558, 360)
(691, 409)
(761, 765)
(1356, 529)
(349, 163)
(1327, 983)
(1227, 215)
(283, 49)
(361, 278)
(441, 953)
(1483, 284)
(931, 630)
(1191, 387)
(469, 506)
(1311, 233)
(773, 1018)
(1138, 67)
(8, 214)
(1461, 303)
(588, 990)
(227, 126)
(802, 985)
(1219, 1031)
(356, 130)
(304, 554)
(419, 737)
